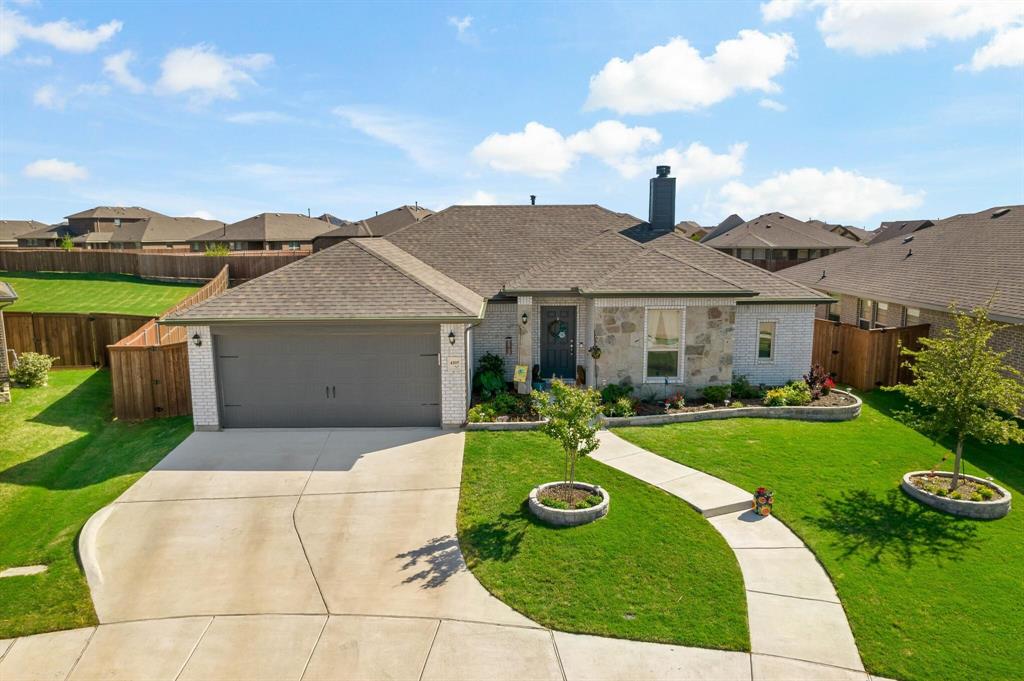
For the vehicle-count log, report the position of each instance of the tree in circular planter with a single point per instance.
(571, 416)
(963, 387)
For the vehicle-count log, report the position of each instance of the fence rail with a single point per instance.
(149, 367)
(78, 340)
(863, 358)
(146, 264)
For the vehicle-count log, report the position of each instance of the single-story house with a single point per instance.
(265, 232)
(155, 233)
(964, 261)
(387, 331)
(380, 224)
(7, 296)
(10, 230)
(775, 241)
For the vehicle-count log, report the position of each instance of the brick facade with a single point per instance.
(498, 334)
(455, 375)
(203, 376)
(794, 337)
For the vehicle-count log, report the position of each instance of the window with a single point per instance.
(293, 245)
(911, 316)
(758, 254)
(746, 253)
(766, 340)
(792, 254)
(832, 313)
(801, 254)
(663, 343)
(866, 313)
(117, 222)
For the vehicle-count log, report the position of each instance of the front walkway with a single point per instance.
(332, 554)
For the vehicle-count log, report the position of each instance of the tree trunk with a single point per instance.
(956, 463)
(572, 482)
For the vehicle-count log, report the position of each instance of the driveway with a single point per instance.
(311, 554)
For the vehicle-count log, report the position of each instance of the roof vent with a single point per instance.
(533, 199)
(908, 239)
(1000, 213)
(910, 252)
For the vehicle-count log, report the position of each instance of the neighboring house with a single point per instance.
(265, 232)
(381, 224)
(92, 228)
(387, 331)
(157, 233)
(10, 230)
(7, 296)
(724, 226)
(857, 234)
(692, 230)
(48, 236)
(775, 241)
(898, 229)
(964, 261)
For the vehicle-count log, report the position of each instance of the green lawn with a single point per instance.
(653, 569)
(61, 460)
(929, 596)
(89, 292)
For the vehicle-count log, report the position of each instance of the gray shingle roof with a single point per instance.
(115, 212)
(268, 227)
(163, 229)
(7, 294)
(359, 279)
(10, 230)
(777, 230)
(898, 228)
(964, 260)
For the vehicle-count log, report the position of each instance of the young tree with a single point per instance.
(66, 243)
(572, 421)
(963, 386)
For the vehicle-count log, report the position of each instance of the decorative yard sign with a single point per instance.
(520, 373)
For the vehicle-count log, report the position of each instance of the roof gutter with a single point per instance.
(735, 293)
(996, 317)
(281, 321)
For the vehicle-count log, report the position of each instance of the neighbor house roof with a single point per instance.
(50, 232)
(115, 212)
(689, 228)
(10, 230)
(390, 221)
(162, 229)
(849, 231)
(898, 228)
(360, 279)
(93, 238)
(724, 226)
(777, 230)
(269, 227)
(962, 260)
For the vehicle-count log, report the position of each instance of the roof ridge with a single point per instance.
(375, 248)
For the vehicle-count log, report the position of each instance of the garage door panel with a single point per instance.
(329, 380)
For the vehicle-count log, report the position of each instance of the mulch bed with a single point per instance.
(833, 399)
(938, 484)
(570, 495)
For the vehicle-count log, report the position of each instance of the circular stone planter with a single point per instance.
(566, 517)
(982, 510)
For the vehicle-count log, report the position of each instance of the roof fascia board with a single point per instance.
(997, 317)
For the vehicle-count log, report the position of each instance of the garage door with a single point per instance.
(365, 378)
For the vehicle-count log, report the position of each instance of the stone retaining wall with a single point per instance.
(981, 510)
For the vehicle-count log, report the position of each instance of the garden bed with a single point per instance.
(973, 498)
(541, 497)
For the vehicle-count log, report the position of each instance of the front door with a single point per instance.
(558, 342)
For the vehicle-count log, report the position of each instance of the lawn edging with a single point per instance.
(846, 412)
(979, 510)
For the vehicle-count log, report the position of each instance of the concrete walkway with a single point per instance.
(332, 554)
(794, 614)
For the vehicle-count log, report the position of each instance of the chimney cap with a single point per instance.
(533, 199)
(663, 171)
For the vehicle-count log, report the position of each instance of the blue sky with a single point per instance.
(848, 112)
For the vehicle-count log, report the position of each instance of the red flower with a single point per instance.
(829, 383)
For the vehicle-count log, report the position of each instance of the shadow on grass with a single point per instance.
(497, 540)
(893, 526)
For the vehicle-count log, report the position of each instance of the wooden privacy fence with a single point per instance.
(864, 359)
(147, 264)
(149, 367)
(78, 340)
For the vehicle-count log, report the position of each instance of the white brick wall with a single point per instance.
(794, 336)
(454, 375)
(202, 375)
(500, 322)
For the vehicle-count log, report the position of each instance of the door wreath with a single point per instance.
(558, 329)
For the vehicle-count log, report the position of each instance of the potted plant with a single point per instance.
(763, 500)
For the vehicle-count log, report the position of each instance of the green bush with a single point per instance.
(554, 503)
(214, 249)
(741, 389)
(985, 493)
(613, 392)
(489, 378)
(776, 397)
(66, 243)
(482, 412)
(32, 369)
(716, 393)
(620, 407)
(790, 395)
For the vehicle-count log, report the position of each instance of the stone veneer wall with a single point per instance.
(454, 375)
(710, 336)
(794, 336)
(619, 332)
(500, 321)
(202, 376)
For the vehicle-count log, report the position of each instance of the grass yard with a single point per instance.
(91, 292)
(929, 596)
(61, 460)
(652, 570)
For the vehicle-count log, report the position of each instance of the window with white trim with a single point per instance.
(911, 316)
(867, 314)
(766, 341)
(662, 346)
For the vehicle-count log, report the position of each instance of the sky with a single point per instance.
(851, 112)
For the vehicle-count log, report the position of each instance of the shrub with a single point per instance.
(613, 392)
(66, 243)
(818, 381)
(976, 497)
(742, 389)
(776, 397)
(955, 495)
(482, 412)
(735, 405)
(620, 407)
(551, 502)
(792, 395)
(32, 369)
(505, 403)
(985, 493)
(716, 393)
(489, 378)
(213, 249)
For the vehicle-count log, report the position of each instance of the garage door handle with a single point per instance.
(334, 391)
(327, 391)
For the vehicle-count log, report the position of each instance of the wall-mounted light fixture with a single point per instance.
(525, 318)
(451, 337)
(196, 340)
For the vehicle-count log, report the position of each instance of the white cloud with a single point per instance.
(258, 117)
(415, 137)
(61, 34)
(675, 77)
(116, 67)
(478, 198)
(1005, 49)
(538, 151)
(48, 97)
(771, 104)
(205, 74)
(870, 27)
(698, 164)
(835, 195)
(614, 143)
(462, 29)
(205, 215)
(56, 170)
(36, 60)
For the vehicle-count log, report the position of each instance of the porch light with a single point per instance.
(525, 318)
(196, 340)
(451, 337)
